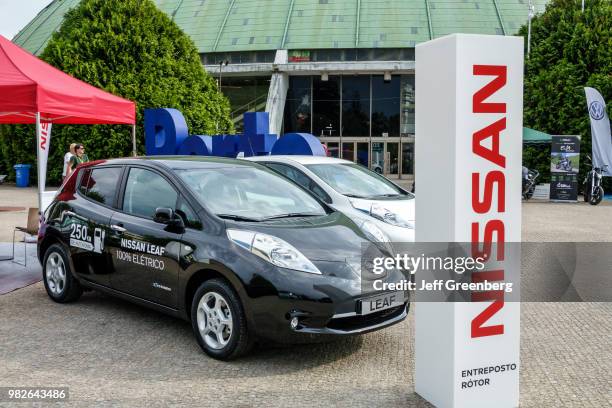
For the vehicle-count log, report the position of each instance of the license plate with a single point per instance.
(381, 302)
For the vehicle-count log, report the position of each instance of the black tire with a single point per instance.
(597, 197)
(60, 291)
(240, 340)
(585, 190)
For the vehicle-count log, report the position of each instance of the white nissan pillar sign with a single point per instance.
(469, 108)
(43, 138)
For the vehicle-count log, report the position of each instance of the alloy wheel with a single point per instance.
(214, 318)
(56, 274)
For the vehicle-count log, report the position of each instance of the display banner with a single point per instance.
(601, 138)
(469, 110)
(564, 166)
(43, 136)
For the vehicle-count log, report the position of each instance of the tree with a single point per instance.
(570, 49)
(134, 50)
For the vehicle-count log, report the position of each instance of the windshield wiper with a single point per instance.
(289, 215)
(236, 217)
(387, 195)
(354, 196)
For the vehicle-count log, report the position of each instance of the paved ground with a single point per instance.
(11, 196)
(18, 273)
(112, 353)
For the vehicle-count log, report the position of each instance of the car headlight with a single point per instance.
(272, 249)
(385, 215)
(373, 232)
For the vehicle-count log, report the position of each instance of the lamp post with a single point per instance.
(529, 17)
(221, 65)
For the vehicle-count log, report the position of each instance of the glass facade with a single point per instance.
(298, 106)
(363, 118)
(408, 158)
(247, 94)
(385, 106)
(407, 105)
(355, 105)
(350, 105)
(326, 106)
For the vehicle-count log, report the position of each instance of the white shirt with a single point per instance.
(67, 158)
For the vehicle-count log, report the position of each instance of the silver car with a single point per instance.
(352, 189)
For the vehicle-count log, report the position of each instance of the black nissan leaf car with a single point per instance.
(229, 245)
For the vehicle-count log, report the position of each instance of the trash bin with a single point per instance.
(22, 174)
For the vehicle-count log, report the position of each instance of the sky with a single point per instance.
(15, 14)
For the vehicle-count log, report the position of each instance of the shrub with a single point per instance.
(131, 49)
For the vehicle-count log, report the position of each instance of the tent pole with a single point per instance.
(134, 140)
(38, 162)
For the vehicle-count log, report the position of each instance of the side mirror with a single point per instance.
(169, 217)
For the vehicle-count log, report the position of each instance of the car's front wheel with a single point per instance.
(60, 283)
(218, 321)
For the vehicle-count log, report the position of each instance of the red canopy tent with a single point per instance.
(32, 91)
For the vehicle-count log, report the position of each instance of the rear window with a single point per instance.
(100, 184)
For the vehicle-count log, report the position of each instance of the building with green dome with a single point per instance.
(342, 70)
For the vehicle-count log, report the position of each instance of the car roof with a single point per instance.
(180, 162)
(300, 159)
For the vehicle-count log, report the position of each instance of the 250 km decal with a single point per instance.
(79, 232)
(80, 238)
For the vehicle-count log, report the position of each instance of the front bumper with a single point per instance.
(352, 323)
(324, 305)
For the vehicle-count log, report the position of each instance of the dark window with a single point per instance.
(407, 158)
(145, 191)
(333, 149)
(385, 106)
(189, 217)
(350, 55)
(407, 105)
(348, 151)
(246, 94)
(101, 184)
(356, 106)
(303, 180)
(298, 105)
(84, 181)
(326, 106)
(363, 154)
(326, 55)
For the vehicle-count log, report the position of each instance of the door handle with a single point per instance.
(117, 228)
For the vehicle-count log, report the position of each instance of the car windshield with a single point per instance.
(246, 193)
(354, 180)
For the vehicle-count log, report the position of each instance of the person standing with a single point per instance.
(78, 158)
(66, 171)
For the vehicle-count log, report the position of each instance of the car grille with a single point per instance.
(359, 321)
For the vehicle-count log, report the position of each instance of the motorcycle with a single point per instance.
(593, 191)
(529, 183)
(564, 164)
